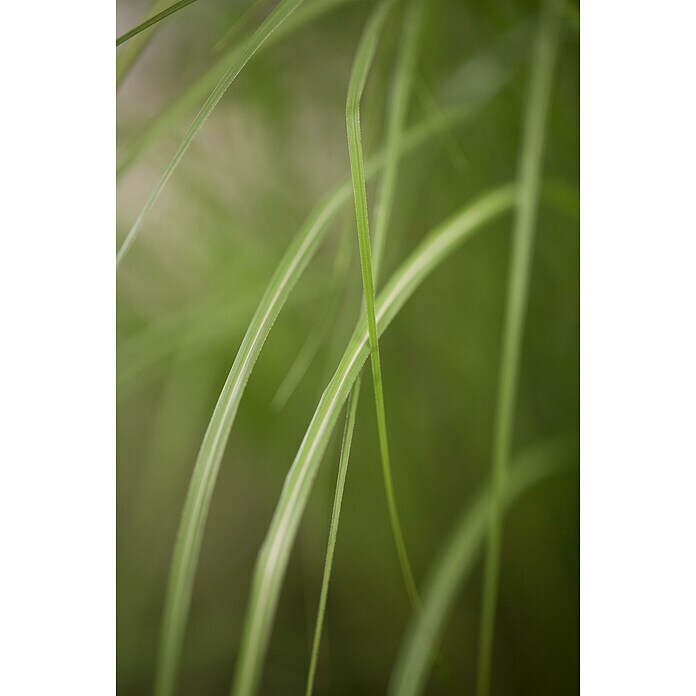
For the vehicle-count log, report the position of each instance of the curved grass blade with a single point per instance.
(396, 118)
(273, 557)
(531, 157)
(153, 20)
(207, 81)
(333, 530)
(361, 67)
(200, 491)
(271, 23)
(457, 560)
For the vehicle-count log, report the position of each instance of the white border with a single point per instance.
(57, 355)
(638, 313)
(57, 492)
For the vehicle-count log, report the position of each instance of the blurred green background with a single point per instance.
(275, 144)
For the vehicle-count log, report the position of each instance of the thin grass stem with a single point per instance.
(153, 20)
(531, 157)
(361, 67)
(333, 530)
(396, 119)
(201, 87)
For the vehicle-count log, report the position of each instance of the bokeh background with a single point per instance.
(274, 145)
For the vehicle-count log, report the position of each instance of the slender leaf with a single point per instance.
(273, 557)
(396, 118)
(456, 562)
(333, 530)
(529, 175)
(153, 20)
(361, 67)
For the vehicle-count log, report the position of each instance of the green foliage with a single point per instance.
(220, 280)
(153, 20)
(518, 288)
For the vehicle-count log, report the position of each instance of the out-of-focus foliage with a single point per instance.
(274, 145)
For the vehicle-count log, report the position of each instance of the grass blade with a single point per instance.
(361, 66)
(523, 242)
(273, 557)
(153, 20)
(333, 530)
(271, 23)
(197, 504)
(396, 118)
(456, 563)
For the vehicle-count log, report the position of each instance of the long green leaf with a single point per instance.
(200, 491)
(271, 23)
(396, 118)
(531, 157)
(153, 20)
(273, 557)
(456, 562)
(333, 530)
(361, 67)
